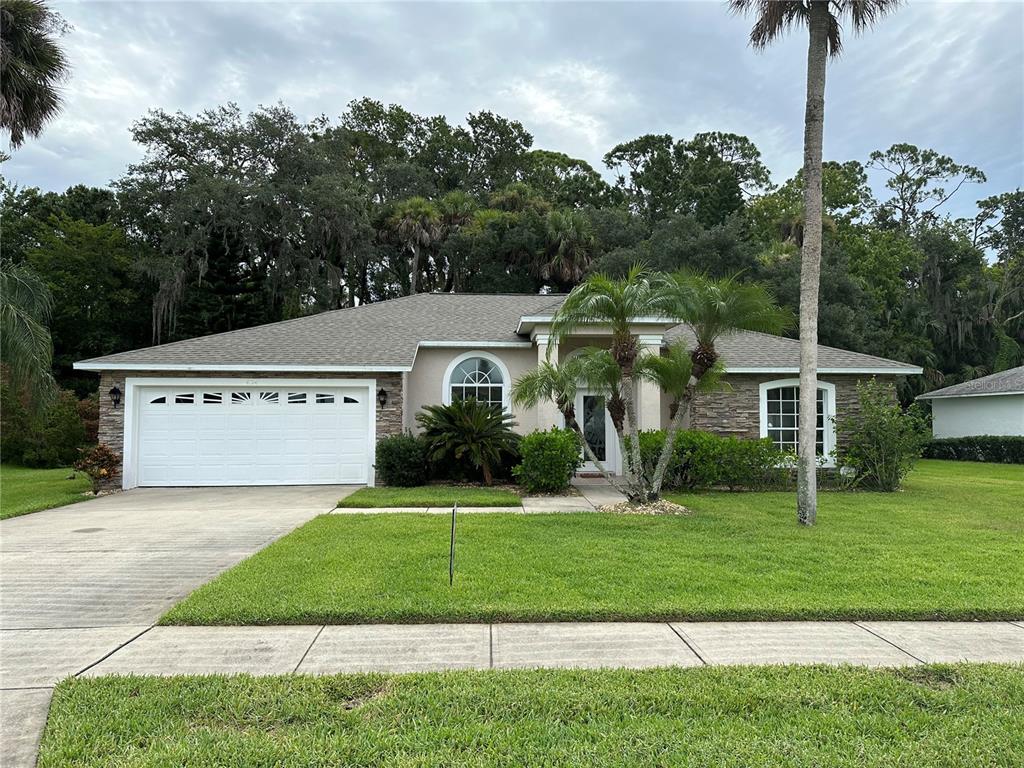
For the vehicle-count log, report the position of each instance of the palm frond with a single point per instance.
(26, 349)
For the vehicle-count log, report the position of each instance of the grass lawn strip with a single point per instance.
(431, 496)
(949, 547)
(969, 715)
(24, 490)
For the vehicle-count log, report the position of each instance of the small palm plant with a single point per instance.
(468, 430)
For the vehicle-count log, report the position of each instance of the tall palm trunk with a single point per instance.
(668, 450)
(414, 269)
(810, 261)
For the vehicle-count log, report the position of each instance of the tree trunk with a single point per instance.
(810, 262)
(414, 270)
(669, 448)
(636, 479)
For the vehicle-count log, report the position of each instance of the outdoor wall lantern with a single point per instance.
(115, 395)
(382, 397)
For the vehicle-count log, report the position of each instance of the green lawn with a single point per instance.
(971, 716)
(431, 496)
(24, 490)
(950, 546)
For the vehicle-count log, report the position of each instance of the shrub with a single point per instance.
(468, 432)
(704, 460)
(1001, 449)
(880, 441)
(49, 439)
(402, 460)
(100, 463)
(548, 460)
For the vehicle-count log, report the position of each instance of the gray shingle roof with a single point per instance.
(1002, 383)
(748, 349)
(386, 335)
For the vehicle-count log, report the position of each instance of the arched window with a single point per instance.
(477, 375)
(780, 416)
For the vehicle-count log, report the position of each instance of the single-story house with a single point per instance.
(991, 405)
(305, 400)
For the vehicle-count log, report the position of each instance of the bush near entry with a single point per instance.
(704, 460)
(402, 460)
(548, 460)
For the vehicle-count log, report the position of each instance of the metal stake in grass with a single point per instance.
(451, 551)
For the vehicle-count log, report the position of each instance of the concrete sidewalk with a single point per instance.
(276, 650)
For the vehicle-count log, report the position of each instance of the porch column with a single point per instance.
(548, 414)
(648, 394)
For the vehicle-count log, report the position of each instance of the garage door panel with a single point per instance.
(202, 435)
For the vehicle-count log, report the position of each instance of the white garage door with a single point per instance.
(222, 435)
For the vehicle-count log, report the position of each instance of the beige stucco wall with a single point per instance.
(426, 381)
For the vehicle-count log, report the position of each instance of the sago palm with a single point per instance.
(823, 19)
(32, 66)
(469, 431)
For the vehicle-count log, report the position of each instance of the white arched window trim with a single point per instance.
(829, 407)
(506, 379)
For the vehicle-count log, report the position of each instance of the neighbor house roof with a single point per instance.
(385, 336)
(1010, 382)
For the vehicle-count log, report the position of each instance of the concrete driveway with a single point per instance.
(78, 582)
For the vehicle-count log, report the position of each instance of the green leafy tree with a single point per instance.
(32, 67)
(823, 21)
(921, 181)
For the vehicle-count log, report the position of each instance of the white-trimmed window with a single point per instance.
(477, 375)
(780, 415)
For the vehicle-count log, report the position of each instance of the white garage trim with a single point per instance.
(134, 386)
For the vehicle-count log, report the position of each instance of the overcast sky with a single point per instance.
(580, 76)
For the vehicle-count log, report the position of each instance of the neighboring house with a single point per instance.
(305, 400)
(991, 405)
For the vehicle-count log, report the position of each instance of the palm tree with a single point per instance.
(416, 223)
(823, 21)
(717, 307)
(569, 246)
(25, 346)
(32, 66)
(673, 372)
(604, 301)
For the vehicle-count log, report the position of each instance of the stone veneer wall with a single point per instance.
(111, 424)
(737, 411)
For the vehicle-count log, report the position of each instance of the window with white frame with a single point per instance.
(780, 416)
(479, 378)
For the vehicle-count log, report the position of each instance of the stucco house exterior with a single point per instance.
(990, 405)
(304, 401)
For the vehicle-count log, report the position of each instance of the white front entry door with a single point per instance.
(599, 432)
(215, 434)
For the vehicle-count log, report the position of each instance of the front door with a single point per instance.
(598, 430)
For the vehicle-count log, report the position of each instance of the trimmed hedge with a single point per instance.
(548, 460)
(999, 449)
(704, 460)
(402, 460)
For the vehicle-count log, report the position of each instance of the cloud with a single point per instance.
(581, 76)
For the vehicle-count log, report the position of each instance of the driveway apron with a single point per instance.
(78, 582)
